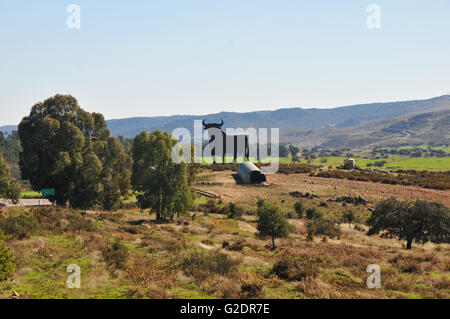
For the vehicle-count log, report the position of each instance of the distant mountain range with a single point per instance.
(360, 126)
(8, 128)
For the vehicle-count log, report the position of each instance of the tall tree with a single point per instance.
(163, 184)
(9, 188)
(71, 150)
(418, 221)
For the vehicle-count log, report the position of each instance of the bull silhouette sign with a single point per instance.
(212, 142)
(220, 143)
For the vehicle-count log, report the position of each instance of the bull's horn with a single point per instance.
(222, 123)
(204, 122)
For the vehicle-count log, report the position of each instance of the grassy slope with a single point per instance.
(156, 253)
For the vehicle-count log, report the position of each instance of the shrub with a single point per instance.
(134, 230)
(349, 217)
(212, 207)
(237, 246)
(20, 226)
(203, 265)
(296, 168)
(295, 270)
(7, 262)
(116, 255)
(79, 223)
(323, 227)
(234, 211)
(48, 218)
(251, 290)
(406, 263)
(313, 213)
(299, 209)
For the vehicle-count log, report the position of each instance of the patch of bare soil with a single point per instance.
(247, 227)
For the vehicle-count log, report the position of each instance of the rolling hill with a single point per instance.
(287, 118)
(424, 128)
(364, 125)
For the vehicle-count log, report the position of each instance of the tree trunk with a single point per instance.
(158, 208)
(408, 244)
(273, 241)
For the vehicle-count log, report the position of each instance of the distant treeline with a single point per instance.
(429, 151)
(10, 148)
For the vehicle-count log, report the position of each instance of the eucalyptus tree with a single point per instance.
(71, 150)
(163, 184)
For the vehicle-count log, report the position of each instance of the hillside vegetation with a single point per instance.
(127, 254)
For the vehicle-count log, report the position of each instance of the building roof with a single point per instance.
(248, 167)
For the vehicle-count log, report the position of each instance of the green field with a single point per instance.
(393, 163)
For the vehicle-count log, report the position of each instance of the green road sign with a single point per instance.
(48, 192)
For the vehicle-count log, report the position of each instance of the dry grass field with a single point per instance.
(281, 185)
(126, 254)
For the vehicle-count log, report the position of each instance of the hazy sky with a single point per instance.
(148, 58)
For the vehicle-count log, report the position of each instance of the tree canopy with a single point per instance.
(163, 184)
(10, 147)
(71, 150)
(418, 221)
(9, 188)
(293, 150)
(271, 222)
